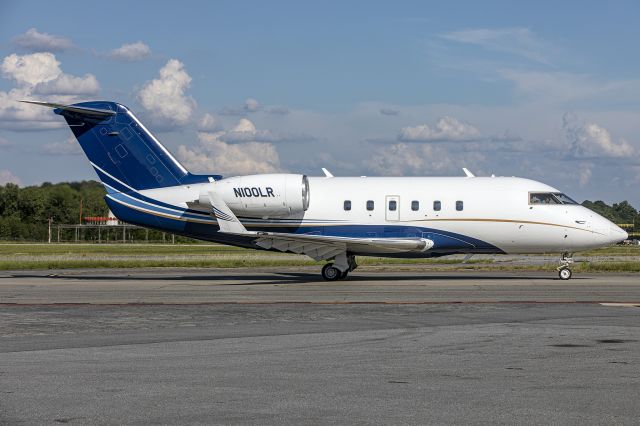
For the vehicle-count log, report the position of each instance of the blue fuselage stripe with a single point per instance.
(205, 227)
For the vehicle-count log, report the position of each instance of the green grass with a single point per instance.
(214, 261)
(146, 263)
(114, 249)
(66, 256)
(608, 267)
(614, 251)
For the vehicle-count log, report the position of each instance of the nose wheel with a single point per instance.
(563, 270)
(564, 273)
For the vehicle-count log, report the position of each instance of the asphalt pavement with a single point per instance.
(267, 347)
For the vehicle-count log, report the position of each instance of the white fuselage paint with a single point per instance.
(495, 210)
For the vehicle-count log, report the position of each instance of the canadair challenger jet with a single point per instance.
(328, 218)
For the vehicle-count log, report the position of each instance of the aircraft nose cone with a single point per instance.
(617, 234)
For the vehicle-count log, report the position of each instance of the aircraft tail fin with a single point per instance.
(124, 154)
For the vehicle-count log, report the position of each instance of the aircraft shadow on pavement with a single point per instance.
(292, 278)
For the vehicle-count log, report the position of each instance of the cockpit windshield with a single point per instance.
(564, 198)
(549, 198)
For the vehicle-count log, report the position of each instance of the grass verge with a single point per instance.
(74, 256)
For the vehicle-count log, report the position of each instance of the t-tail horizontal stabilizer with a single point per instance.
(75, 109)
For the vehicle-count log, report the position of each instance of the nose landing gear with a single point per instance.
(563, 270)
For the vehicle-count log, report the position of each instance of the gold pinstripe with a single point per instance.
(528, 222)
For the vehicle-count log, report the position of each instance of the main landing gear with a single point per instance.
(340, 269)
(563, 270)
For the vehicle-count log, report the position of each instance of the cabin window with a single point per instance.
(393, 205)
(347, 205)
(415, 206)
(437, 206)
(370, 205)
(459, 206)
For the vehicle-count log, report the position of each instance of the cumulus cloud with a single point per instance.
(19, 116)
(447, 129)
(516, 41)
(245, 131)
(164, 97)
(402, 159)
(584, 173)
(250, 105)
(131, 52)
(66, 84)
(68, 147)
(31, 69)
(594, 146)
(208, 122)
(36, 41)
(212, 155)
(244, 126)
(38, 74)
(7, 177)
(589, 140)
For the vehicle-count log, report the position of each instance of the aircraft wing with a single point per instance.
(318, 247)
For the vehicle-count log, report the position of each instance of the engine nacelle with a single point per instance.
(267, 195)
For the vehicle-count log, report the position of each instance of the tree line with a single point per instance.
(25, 212)
(622, 212)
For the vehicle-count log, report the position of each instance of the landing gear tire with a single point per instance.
(563, 270)
(331, 273)
(564, 273)
(344, 274)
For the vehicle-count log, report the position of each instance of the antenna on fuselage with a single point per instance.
(467, 172)
(327, 173)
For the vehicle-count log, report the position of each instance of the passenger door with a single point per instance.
(392, 208)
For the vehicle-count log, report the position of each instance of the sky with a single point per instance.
(543, 90)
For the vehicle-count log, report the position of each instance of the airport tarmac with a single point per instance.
(269, 347)
(304, 285)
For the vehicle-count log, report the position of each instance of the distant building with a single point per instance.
(110, 220)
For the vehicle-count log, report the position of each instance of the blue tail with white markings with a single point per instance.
(125, 155)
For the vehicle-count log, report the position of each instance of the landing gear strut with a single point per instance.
(339, 271)
(563, 270)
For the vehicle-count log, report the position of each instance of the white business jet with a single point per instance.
(329, 218)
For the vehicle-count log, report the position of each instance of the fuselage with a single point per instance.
(350, 216)
(460, 215)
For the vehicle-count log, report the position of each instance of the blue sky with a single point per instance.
(546, 90)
